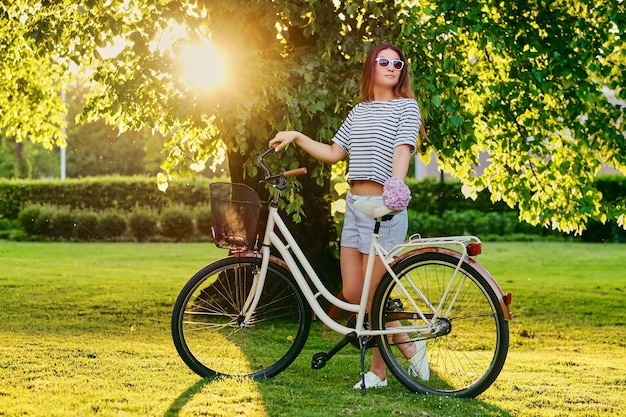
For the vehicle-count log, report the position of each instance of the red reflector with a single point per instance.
(475, 249)
(508, 298)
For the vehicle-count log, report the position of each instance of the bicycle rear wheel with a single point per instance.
(210, 308)
(467, 355)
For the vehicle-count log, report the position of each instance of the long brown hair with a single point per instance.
(404, 88)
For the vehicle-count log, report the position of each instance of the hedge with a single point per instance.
(136, 207)
(99, 194)
(427, 194)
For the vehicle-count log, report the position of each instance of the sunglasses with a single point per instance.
(396, 63)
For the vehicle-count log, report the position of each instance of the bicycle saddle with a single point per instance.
(373, 208)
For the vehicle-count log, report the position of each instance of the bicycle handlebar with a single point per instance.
(295, 172)
(269, 176)
(262, 157)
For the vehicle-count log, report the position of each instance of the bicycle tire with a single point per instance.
(467, 359)
(208, 311)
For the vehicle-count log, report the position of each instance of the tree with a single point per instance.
(522, 81)
(97, 149)
(527, 82)
(26, 160)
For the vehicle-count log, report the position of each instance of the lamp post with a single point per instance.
(63, 149)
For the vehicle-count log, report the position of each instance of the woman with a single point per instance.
(379, 135)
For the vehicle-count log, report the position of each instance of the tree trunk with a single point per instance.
(20, 170)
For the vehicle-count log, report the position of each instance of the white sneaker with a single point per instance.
(419, 362)
(371, 381)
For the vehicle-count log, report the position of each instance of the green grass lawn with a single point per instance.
(84, 331)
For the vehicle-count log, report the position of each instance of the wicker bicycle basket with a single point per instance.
(235, 213)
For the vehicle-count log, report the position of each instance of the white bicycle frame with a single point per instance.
(285, 248)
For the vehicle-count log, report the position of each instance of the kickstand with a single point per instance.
(364, 341)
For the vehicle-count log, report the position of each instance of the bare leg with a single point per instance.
(353, 266)
(403, 341)
(352, 273)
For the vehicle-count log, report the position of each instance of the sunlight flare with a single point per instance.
(203, 66)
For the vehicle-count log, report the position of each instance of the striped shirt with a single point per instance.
(372, 131)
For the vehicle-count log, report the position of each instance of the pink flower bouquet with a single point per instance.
(396, 194)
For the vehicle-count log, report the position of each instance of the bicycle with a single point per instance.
(250, 313)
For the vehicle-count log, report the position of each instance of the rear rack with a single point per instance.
(468, 245)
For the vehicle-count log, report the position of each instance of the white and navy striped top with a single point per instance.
(372, 131)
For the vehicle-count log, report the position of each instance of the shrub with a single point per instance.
(143, 224)
(86, 225)
(490, 226)
(112, 225)
(203, 218)
(62, 224)
(43, 223)
(526, 228)
(36, 220)
(495, 223)
(459, 223)
(27, 219)
(427, 225)
(6, 228)
(177, 223)
(5, 224)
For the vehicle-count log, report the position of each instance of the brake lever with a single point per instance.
(279, 181)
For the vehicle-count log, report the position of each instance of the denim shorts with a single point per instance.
(358, 227)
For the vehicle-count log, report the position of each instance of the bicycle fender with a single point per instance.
(493, 284)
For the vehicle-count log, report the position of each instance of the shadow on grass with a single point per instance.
(186, 396)
(311, 397)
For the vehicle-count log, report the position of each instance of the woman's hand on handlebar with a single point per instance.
(283, 139)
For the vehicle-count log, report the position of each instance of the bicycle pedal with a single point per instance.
(394, 304)
(319, 360)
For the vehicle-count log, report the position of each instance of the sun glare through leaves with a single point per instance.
(202, 66)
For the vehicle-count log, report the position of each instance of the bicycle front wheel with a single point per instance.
(208, 314)
(469, 349)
